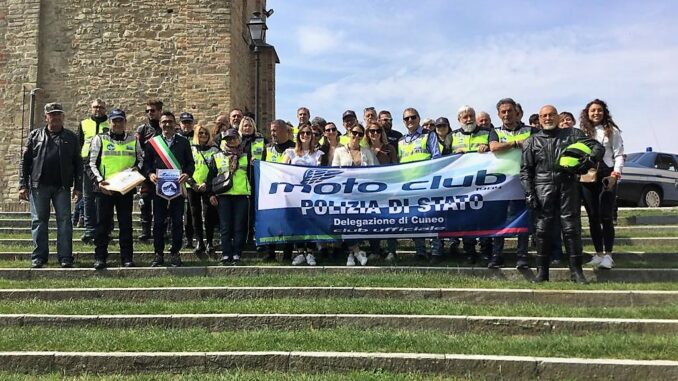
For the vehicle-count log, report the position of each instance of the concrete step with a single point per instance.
(445, 323)
(583, 298)
(460, 365)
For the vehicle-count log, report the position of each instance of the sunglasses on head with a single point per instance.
(358, 133)
(332, 129)
(410, 117)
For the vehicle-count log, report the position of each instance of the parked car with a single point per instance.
(649, 179)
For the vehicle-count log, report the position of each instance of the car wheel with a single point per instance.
(651, 197)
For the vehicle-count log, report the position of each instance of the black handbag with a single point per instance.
(222, 183)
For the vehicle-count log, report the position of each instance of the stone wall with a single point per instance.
(192, 54)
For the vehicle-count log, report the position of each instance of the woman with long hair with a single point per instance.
(353, 155)
(305, 152)
(385, 154)
(330, 143)
(202, 211)
(599, 195)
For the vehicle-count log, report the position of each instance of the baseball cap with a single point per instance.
(186, 116)
(117, 113)
(442, 121)
(231, 133)
(348, 113)
(53, 107)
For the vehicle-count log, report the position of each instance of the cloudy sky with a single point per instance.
(438, 55)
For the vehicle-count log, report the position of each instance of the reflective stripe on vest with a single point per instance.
(241, 185)
(116, 155)
(89, 129)
(506, 136)
(201, 169)
(273, 156)
(257, 148)
(415, 150)
(470, 142)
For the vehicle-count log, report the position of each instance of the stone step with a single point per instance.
(187, 254)
(459, 365)
(583, 298)
(449, 324)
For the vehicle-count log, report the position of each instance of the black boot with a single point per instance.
(158, 261)
(542, 269)
(577, 274)
(145, 232)
(496, 262)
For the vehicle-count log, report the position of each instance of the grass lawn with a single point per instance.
(331, 306)
(434, 280)
(606, 345)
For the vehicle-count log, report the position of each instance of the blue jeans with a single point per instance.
(233, 224)
(89, 206)
(40, 199)
(161, 208)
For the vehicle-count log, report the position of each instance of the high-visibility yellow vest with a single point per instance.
(415, 150)
(117, 155)
(241, 185)
(273, 156)
(470, 142)
(507, 136)
(89, 129)
(257, 148)
(201, 169)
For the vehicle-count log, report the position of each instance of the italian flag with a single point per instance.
(167, 157)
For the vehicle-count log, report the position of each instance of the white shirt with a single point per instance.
(311, 160)
(614, 148)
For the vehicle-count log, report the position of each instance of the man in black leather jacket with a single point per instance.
(145, 132)
(553, 192)
(50, 166)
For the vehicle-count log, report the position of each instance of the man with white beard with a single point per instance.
(471, 138)
(510, 135)
(553, 158)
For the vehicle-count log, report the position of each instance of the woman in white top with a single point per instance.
(304, 153)
(353, 155)
(599, 196)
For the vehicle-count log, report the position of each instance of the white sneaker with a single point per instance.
(361, 257)
(310, 259)
(606, 263)
(351, 260)
(595, 261)
(299, 260)
(390, 257)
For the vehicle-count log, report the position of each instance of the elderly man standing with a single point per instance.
(471, 138)
(416, 145)
(96, 124)
(50, 165)
(553, 158)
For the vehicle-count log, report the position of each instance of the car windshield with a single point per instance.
(634, 156)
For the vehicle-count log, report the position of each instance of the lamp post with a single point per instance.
(257, 27)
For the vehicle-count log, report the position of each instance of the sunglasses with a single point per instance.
(97, 107)
(150, 110)
(378, 132)
(357, 134)
(204, 133)
(411, 117)
(331, 130)
(231, 138)
(305, 133)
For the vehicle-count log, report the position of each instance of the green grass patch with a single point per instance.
(417, 280)
(331, 306)
(619, 346)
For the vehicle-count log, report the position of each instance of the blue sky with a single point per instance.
(439, 55)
